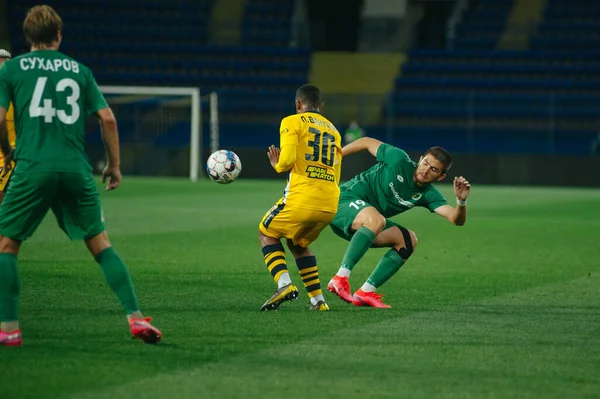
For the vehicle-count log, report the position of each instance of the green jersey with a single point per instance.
(389, 186)
(51, 94)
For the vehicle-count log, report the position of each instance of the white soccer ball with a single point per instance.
(223, 166)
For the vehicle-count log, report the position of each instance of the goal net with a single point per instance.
(160, 130)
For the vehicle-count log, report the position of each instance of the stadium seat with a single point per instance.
(556, 82)
(166, 43)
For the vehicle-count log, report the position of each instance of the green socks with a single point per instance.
(9, 287)
(117, 277)
(359, 245)
(386, 268)
(115, 273)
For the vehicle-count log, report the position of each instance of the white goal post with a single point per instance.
(195, 120)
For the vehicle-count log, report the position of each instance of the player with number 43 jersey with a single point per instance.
(51, 94)
(311, 153)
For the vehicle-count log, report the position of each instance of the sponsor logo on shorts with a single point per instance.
(314, 172)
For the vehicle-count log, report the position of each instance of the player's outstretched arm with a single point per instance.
(364, 143)
(110, 137)
(457, 216)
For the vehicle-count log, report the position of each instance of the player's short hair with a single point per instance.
(42, 25)
(441, 155)
(309, 94)
(5, 54)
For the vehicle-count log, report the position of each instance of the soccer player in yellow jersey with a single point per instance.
(10, 127)
(311, 153)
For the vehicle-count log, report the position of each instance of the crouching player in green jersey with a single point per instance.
(394, 185)
(51, 94)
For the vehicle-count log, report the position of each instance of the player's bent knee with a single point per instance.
(261, 236)
(413, 238)
(267, 240)
(409, 242)
(379, 223)
(374, 221)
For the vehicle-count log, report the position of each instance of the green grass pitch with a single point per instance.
(504, 307)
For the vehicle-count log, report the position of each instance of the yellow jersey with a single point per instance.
(311, 150)
(10, 128)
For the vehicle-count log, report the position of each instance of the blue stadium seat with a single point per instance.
(500, 55)
(499, 83)
(419, 67)
(267, 22)
(164, 42)
(555, 83)
(481, 26)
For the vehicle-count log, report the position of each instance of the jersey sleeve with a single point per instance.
(433, 199)
(288, 142)
(5, 92)
(93, 98)
(389, 154)
(289, 132)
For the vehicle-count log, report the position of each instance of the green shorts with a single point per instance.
(348, 207)
(73, 198)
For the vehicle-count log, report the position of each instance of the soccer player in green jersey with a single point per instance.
(394, 185)
(51, 94)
